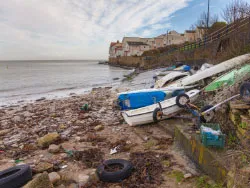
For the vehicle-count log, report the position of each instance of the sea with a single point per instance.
(26, 81)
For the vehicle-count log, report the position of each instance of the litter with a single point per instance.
(113, 151)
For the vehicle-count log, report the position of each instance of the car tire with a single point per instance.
(116, 176)
(15, 177)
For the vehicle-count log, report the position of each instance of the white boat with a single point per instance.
(170, 78)
(169, 70)
(144, 115)
(214, 70)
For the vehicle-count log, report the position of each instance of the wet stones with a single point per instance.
(54, 148)
(43, 166)
(40, 181)
(48, 139)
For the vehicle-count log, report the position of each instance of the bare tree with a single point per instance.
(236, 10)
(202, 21)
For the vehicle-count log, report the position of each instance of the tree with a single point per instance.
(216, 26)
(235, 10)
(202, 21)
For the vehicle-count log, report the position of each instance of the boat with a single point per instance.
(144, 115)
(170, 78)
(140, 99)
(144, 97)
(228, 79)
(214, 70)
(183, 68)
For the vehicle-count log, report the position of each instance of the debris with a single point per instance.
(90, 157)
(188, 175)
(64, 166)
(113, 151)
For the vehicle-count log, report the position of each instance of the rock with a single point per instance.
(43, 166)
(188, 175)
(54, 148)
(99, 128)
(73, 185)
(48, 139)
(102, 110)
(83, 180)
(54, 177)
(61, 186)
(27, 114)
(41, 99)
(40, 181)
(4, 132)
(17, 119)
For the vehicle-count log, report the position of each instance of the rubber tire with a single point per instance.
(177, 100)
(156, 110)
(244, 87)
(20, 176)
(203, 109)
(117, 176)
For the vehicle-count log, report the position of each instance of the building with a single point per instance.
(135, 48)
(200, 33)
(190, 35)
(173, 37)
(115, 49)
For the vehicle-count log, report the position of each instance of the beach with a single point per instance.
(59, 136)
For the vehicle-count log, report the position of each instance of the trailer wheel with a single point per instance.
(157, 114)
(245, 91)
(208, 117)
(182, 100)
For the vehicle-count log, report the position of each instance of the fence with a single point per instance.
(215, 36)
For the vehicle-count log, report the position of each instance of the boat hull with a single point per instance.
(145, 115)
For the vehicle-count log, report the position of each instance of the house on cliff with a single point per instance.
(190, 36)
(172, 37)
(135, 48)
(115, 49)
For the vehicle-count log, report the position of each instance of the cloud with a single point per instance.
(77, 29)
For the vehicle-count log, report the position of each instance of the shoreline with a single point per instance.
(42, 134)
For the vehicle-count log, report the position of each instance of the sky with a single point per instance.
(83, 29)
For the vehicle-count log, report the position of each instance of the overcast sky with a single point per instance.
(83, 29)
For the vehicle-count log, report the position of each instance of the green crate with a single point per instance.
(212, 140)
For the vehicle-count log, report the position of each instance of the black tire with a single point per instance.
(245, 91)
(15, 177)
(117, 176)
(203, 119)
(178, 100)
(155, 115)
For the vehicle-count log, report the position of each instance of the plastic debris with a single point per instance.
(64, 166)
(113, 151)
(18, 161)
(85, 107)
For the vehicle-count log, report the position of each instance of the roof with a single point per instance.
(112, 44)
(136, 43)
(190, 31)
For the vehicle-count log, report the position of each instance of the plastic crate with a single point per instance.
(209, 139)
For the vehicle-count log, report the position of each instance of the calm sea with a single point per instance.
(30, 80)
